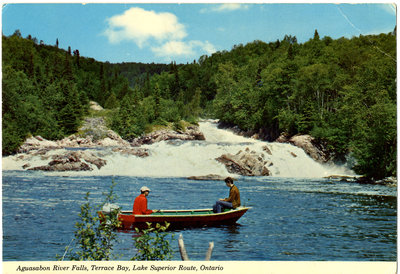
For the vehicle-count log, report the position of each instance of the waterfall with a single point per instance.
(195, 158)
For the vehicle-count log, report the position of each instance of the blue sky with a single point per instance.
(162, 33)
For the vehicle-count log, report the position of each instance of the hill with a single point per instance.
(340, 91)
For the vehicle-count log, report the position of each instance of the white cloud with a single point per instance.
(225, 7)
(161, 32)
(140, 25)
(172, 49)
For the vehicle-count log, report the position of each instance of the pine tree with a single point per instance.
(316, 35)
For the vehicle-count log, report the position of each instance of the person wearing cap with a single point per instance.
(233, 201)
(140, 203)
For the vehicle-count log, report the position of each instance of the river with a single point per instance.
(296, 214)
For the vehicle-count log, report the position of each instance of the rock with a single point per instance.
(92, 159)
(36, 143)
(195, 133)
(209, 177)
(26, 166)
(72, 161)
(41, 151)
(190, 134)
(95, 106)
(94, 127)
(266, 149)
(310, 147)
(70, 141)
(72, 166)
(283, 138)
(390, 181)
(342, 178)
(247, 163)
(108, 142)
(139, 152)
(40, 138)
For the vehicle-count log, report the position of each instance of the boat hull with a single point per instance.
(179, 219)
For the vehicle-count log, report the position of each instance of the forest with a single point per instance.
(340, 91)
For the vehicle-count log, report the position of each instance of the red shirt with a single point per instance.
(140, 206)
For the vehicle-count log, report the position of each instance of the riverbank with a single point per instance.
(192, 151)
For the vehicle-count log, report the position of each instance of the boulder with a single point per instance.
(247, 163)
(310, 147)
(37, 143)
(91, 158)
(95, 106)
(191, 133)
(342, 178)
(283, 138)
(389, 181)
(94, 128)
(68, 166)
(209, 177)
(267, 150)
(72, 161)
(139, 152)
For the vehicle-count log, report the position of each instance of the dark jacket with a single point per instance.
(234, 197)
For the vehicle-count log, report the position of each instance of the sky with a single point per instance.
(161, 33)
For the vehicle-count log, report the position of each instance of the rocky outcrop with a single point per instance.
(72, 161)
(139, 152)
(95, 106)
(342, 178)
(247, 163)
(70, 166)
(95, 130)
(390, 181)
(209, 177)
(37, 143)
(191, 133)
(92, 135)
(42, 145)
(310, 146)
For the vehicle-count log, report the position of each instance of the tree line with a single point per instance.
(340, 91)
(46, 90)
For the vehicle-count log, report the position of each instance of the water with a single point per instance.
(183, 159)
(290, 219)
(296, 214)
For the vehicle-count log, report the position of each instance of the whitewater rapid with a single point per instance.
(197, 158)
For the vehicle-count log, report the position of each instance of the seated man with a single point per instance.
(233, 201)
(140, 203)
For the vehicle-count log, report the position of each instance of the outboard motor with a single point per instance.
(108, 208)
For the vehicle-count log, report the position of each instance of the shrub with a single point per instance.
(153, 244)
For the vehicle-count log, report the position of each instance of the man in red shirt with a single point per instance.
(140, 203)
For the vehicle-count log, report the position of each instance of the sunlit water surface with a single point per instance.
(291, 218)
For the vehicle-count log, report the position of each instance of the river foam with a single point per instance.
(196, 158)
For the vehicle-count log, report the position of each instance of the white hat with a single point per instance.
(144, 188)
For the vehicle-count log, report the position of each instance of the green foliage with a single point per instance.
(341, 91)
(94, 236)
(153, 244)
(111, 102)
